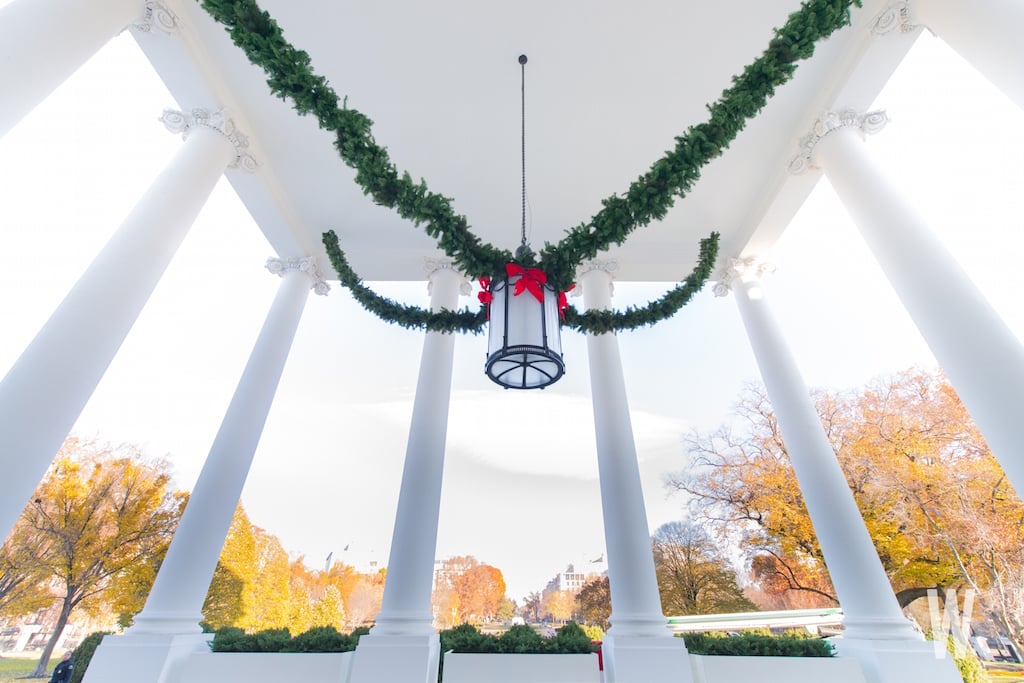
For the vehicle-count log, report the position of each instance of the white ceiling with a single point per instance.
(608, 87)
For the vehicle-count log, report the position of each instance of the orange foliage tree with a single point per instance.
(466, 590)
(938, 507)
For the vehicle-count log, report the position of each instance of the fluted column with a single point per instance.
(870, 608)
(48, 386)
(978, 352)
(986, 33)
(406, 606)
(638, 645)
(175, 603)
(42, 42)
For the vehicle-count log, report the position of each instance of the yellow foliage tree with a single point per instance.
(99, 512)
(229, 600)
(329, 609)
(936, 503)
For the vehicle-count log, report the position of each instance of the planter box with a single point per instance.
(228, 667)
(496, 668)
(720, 669)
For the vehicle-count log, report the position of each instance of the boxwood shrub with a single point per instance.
(519, 639)
(757, 645)
(316, 639)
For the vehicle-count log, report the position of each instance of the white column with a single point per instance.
(46, 389)
(175, 603)
(402, 645)
(870, 608)
(978, 352)
(986, 33)
(639, 645)
(42, 42)
(876, 632)
(406, 606)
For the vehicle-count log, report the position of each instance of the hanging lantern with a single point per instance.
(524, 349)
(524, 346)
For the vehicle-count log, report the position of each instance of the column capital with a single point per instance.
(829, 122)
(307, 265)
(607, 266)
(895, 18)
(157, 17)
(432, 266)
(218, 121)
(751, 267)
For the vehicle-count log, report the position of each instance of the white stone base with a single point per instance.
(899, 661)
(504, 668)
(645, 659)
(729, 669)
(256, 667)
(148, 658)
(396, 659)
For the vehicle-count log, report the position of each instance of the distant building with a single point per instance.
(577, 574)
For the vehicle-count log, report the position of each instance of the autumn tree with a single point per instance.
(128, 596)
(329, 610)
(559, 604)
(23, 587)
(935, 502)
(252, 583)
(480, 590)
(531, 607)
(506, 609)
(467, 590)
(364, 601)
(693, 575)
(99, 511)
(594, 603)
(229, 600)
(271, 602)
(740, 482)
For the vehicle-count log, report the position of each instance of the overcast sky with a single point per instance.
(520, 488)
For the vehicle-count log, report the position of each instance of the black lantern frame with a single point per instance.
(524, 347)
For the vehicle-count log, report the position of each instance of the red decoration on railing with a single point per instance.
(531, 280)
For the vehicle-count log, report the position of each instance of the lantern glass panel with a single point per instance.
(524, 348)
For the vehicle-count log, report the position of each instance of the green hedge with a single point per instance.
(757, 645)
(570, 639)
(316, 639)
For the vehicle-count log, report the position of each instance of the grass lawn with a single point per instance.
(17, 668)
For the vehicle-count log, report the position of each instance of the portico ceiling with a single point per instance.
(608, 87)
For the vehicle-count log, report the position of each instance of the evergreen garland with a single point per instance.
(465, 320)
(411, 317)
(647, 199)
(601, 321)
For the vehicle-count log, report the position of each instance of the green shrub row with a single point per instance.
(316, 639)
(757, 645)
(570, 639)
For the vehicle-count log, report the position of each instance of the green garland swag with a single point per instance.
(411, 317)
(648, 198)
(465, 320)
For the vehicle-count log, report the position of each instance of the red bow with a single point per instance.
(530, 279)
(485, 296)
(563, 303)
